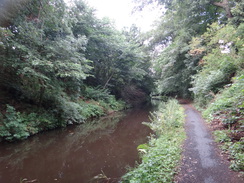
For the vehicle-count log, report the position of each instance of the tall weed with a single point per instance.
(169, 116)
(13, 127)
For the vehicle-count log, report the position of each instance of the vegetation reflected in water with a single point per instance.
(78, 153)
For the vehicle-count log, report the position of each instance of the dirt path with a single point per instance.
(201, 161)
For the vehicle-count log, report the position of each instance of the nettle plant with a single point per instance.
(13, 126)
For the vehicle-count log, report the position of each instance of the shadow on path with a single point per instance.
(201, 161)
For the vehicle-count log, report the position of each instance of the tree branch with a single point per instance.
(225, 5)
(108, 81)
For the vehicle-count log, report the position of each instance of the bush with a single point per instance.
(168, 117)
(221, 136)
(229, 101)
(71, 113)
(115, 104)
(227, 108)
(237, 153)
(234, 149)
(90, 109)
(60, 110)
(42, 120)
(18, 126)
(218, 67)
(96, 93)
(13, 127)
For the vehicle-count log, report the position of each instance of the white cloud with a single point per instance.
(120, 12)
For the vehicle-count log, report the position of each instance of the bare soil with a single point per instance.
(202, 161)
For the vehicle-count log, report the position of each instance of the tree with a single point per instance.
(175, 65)
(171, 5)
(41, 52)
(222, 60)
(225, 4)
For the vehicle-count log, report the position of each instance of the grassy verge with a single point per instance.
(235, 149)
(161, 155)
(225, 115)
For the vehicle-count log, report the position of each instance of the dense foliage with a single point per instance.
(227, 114)
(183, 22)
(223, 60)
(61, 65)
(198, 51)
(161, 156)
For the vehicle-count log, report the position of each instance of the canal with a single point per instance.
(78, 154)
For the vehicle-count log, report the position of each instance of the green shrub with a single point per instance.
(168, 117)
(96, 93)
(115, 104)
(229, 101)
(221, 136)
(18, 126)
(228, 108)
(217, 67)
(59, 112)
(90, 109)
(13, 127)
(40, 121)
(98, 102)
(72, 112)
(159, 163)
(234, 149)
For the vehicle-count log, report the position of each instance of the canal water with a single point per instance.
(77, 154)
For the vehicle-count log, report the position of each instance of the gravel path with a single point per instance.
(201, 162)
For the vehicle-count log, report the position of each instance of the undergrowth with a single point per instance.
(161, 155)
(62, 111)
(225, 114)
(235, 149)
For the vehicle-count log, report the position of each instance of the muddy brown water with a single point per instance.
(75, 155)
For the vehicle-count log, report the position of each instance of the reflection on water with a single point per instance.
(77, 153)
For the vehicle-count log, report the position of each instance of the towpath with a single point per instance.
(202, 162)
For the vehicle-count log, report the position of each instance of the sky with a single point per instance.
(121, 12)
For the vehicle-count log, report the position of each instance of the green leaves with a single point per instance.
(13, 126)
(51, 52)
(234, 149)
(168, 117)
(161, 156)
(218, 65)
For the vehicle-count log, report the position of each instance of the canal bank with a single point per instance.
(75, 154)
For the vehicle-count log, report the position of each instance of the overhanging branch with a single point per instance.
(225, 5)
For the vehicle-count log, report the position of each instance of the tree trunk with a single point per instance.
(42, 91)
(225, 5)
(108, 81)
